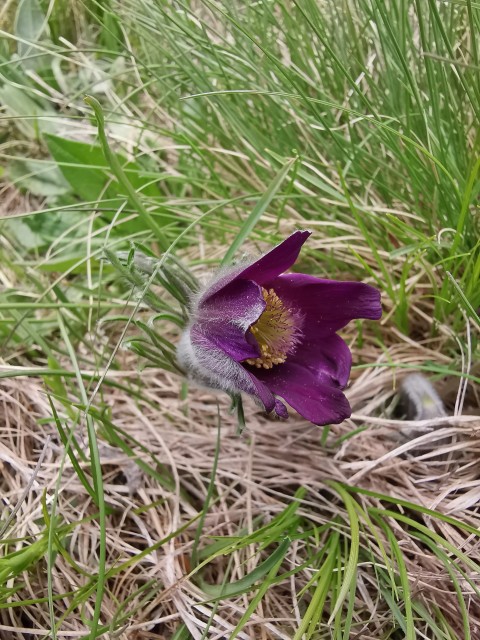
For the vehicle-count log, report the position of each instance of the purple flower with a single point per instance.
(255, 330)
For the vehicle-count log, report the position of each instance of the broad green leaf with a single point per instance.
(40, 178)
(85, 168)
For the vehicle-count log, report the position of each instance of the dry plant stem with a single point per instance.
(27, 488)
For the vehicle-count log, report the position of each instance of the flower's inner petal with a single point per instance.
(328, 305)
(313, 394)
(276, 261)
(277, 332)
(226, 317)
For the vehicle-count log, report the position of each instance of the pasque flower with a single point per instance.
(256, 330)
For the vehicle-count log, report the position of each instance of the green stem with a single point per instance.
(115, 166)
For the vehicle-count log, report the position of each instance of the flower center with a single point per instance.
(276, 331)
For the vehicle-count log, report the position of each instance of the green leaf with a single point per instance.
(116, 167)
(30, 21)
(29, 116)
(247, 582)
(351, 566)
(82, 165)
(14, 563)
(85, 168)
(39, 178)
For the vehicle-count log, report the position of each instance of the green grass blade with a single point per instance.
(246, 583)
(97, 485)
(258, 210)
(112, 159)
(351, 567)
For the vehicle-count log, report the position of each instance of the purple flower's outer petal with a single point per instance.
(208, 364)
(276, 261)
(330, 355)
(314, 395)
(266, 268)
(280, 409)
(327, 305)
(230, 339)
(225, 318)
(240, 299)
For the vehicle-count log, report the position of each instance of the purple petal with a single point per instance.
(225, 318)
(329, 356)
(210, 365)
(314, 395)
(265, 395)
(276, 261)
(266, 268)
(328, 305)
(229, 339)
(281, 409)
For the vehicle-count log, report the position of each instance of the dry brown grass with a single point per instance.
(257, 475)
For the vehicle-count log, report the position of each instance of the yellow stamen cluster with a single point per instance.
(276, 332)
